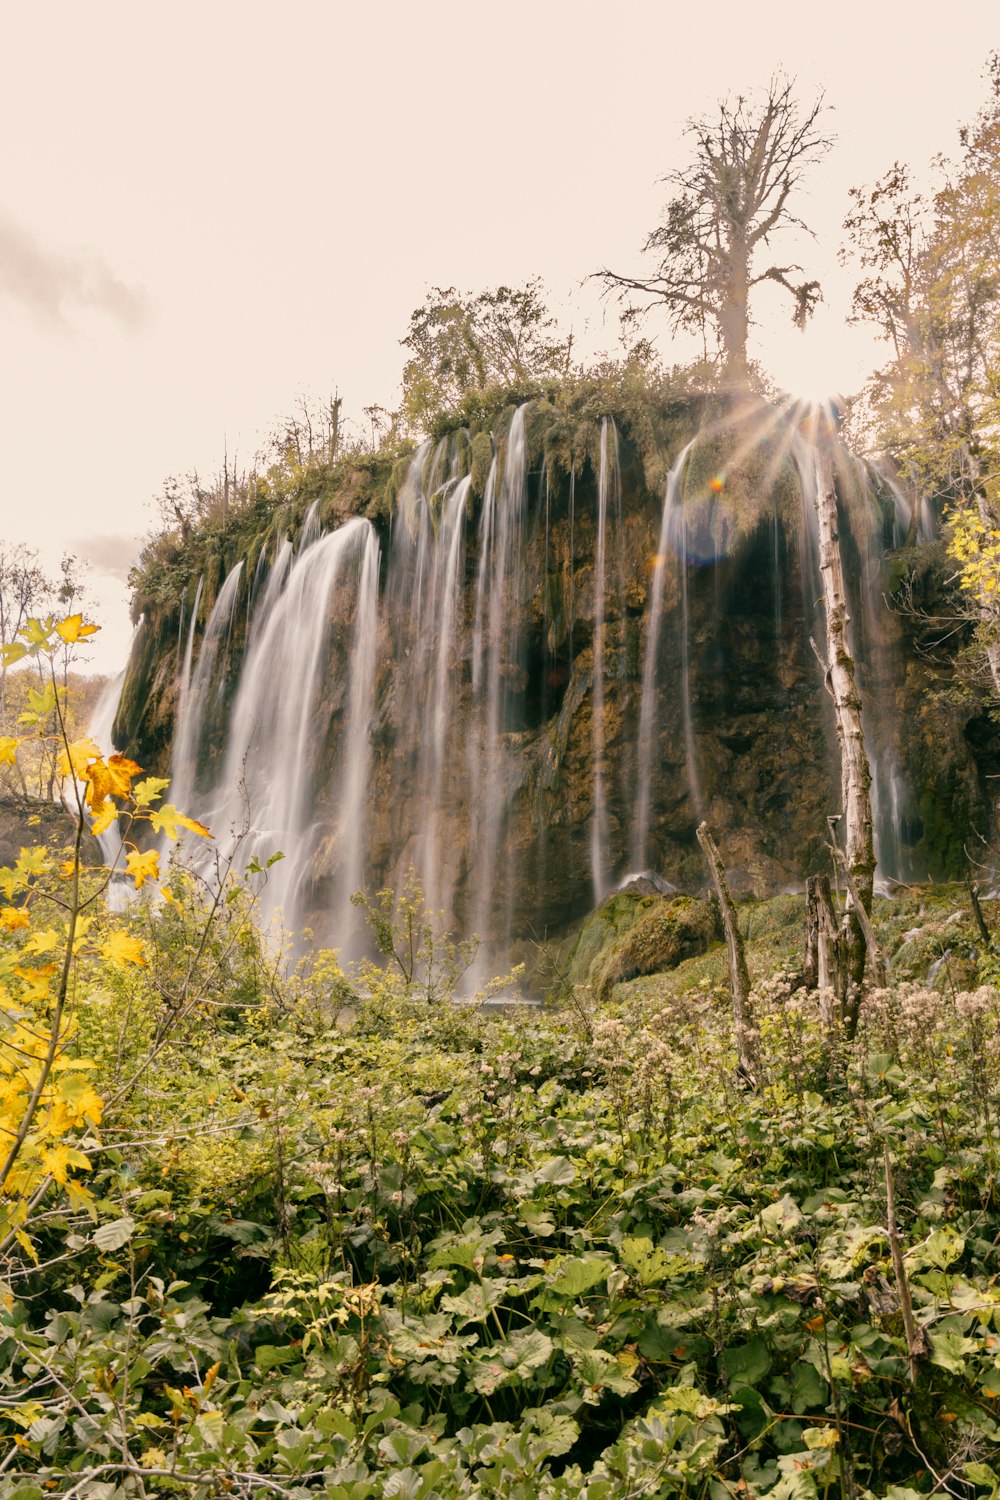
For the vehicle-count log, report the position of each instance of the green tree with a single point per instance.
(931, 286)
(732, 200)
(461, 342)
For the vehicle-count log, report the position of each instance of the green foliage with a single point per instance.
(931, 286)
(431, 1250)
(462, 344)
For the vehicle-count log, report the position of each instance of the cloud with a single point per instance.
(54, 284)
(113, 555)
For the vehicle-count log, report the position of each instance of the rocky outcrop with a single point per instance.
(634, 933)
(26, 822)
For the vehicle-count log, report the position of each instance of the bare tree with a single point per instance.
(855, 772)
(744, 1021)
(733, 199)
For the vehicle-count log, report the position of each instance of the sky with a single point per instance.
(208, 210)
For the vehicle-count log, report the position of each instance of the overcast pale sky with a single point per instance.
(207, 209)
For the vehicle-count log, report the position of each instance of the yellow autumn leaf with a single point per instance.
(57, 1160)
(42, 942)
(98, 784)
(33, 861)
(150, 789)
(73, 760)
(8, 747)
(121, 770)
(122, 949)
(104, 814)
(75, 1103)
(193, 826)
(110, 778)
(37, 980)
(143, 867)
(13, 917)
(167, 820)
(73, 629)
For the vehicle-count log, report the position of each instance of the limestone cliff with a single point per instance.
(522, 670)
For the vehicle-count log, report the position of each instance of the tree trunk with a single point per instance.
(743, 1018)
(823, 967)
(855, 774)
(734, 314)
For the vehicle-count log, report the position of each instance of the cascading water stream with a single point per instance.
(263, 804)
(352, 795)
(608, 486)
(432, 708)
(182, 716)
(100, 730)
(202, 690)
(497, 650)
(435, 748)
(649, 699)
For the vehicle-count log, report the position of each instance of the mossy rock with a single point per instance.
(669, 932)
(639, 931)
(480, 459)
(605, 927)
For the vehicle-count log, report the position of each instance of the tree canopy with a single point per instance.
(460, 342)
(931, 286)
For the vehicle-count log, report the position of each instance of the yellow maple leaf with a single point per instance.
(13, 917)
(143, 867)
(150, 789)
(73, 760)
(57, 1160)
(73, 629)
(37, 980)
(98, 783)
(193, 826)
(42, 942)
(104, 814)
(167, 820)
(122, 949)
(120, 772)
(8, 747)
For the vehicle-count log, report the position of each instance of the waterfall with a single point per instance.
(496, 665)
(202, 690)
(263, 803)
(679, 536)
(477, 697)
(435, 749)
(100, 731)
(649, 699)
(608, 485)
(182, 713)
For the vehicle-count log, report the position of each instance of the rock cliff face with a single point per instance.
(566, 640)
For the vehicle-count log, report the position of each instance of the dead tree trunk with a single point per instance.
(855, 773)
(743, 1017)
(977, 910)
(823, 966)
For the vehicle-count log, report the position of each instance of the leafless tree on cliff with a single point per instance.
(732, 200)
